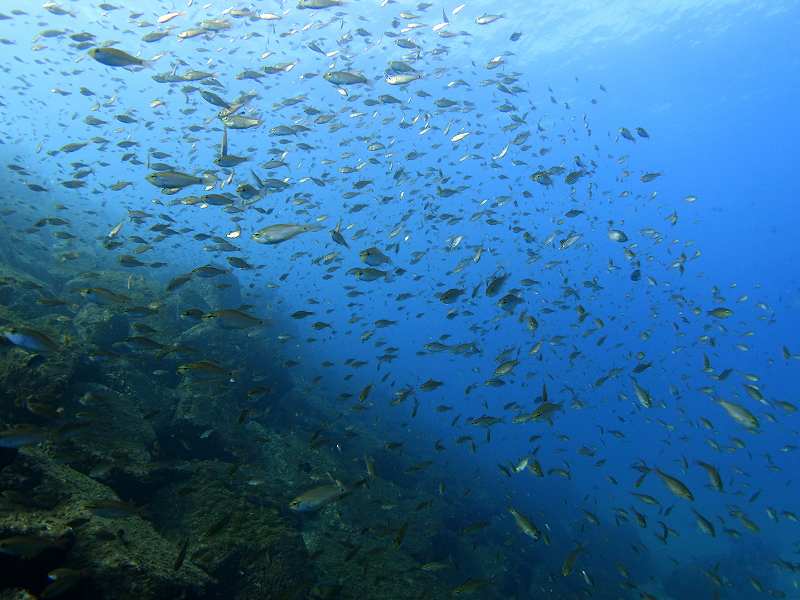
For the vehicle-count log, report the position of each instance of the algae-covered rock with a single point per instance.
(16, 595)
(23, 274)
(243, 538)
(118, 437)
(20, 295)
(33, 386)
(121, 554)
(100, 326)
(208, 293)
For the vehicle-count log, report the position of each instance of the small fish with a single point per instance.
(29, 339)
(337, 237)
(569, 561)
(616, 235)
(675, 486)
(166, 18)
(525, 524)
(369, 274)
(115, 230)
(23, 435)
(402, 78)
(203, 369)
(434, 567)
(344, 77)
(207, 271)
(240, 122)
(114, 57)
(642, 394)
(181, 554)
(713, 475)
(275, 234)
(214, 99)
(175, 179)
(486, 19)
(704, 524)
(63, 580)
(30, 546)
(318, 497)
(113, 509)
(233, 319)
(178, 281)
(648, 177)
(373, 257)
(450, 296)
(318, 4)
(430, 385)
(469, 587)
(495, 284)
(485, 421)
(740, 414)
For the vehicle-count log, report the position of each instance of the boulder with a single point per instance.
(123, 558)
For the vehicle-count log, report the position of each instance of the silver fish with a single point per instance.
(275, 234)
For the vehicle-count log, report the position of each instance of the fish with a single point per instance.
(373, 257)
(240, 122)
(369, 274)
(435, 566)
(178, 281)
(569, 562)
(487, 19)
(113, 509)
(29, 547)
(182, 550)
(495, 284)
(505, 367)
(344, 77)
(485, 421)
(318, 4)
(204, 369)
(675, 485)
(233, 319)
(450, 296)
(642, 395)
(337, 237)
(713, 475)
(29, 339)
(617, 235)
(175, 179)
(275, 234)
(23, 435)
(63, 580)
(114, 57)
(167, 17)
(648, 177)
(525, 524)
(207, 271)
(704, 524)
(402, 78)
(469, 587)
(318, 497)
(214, 99)
(740, 414)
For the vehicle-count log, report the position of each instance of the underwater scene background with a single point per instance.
(388, 299)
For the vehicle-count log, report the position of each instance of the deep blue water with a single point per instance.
(714, 84)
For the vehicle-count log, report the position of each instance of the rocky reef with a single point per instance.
(124, 476)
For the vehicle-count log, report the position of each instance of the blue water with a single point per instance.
(714, 84)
